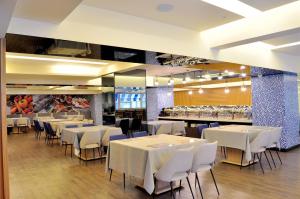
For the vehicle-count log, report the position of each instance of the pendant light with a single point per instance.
(200, 91)
(220, 76)
(243, 87)
(190, 92)
(226, 90)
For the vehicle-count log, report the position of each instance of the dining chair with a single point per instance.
(22, 123)
(87, 125)
(178, 128)
(176, 169)
(164, 129)
(90, 140)
(38, 129)
(214, 124)
(274, 143)
(112, 138)
(124, 125)
(51, 135)
(200, 129)
(10, 122)
(136, 124)
(140, 134)
(71, 126)
(204, 158)
(258, 146)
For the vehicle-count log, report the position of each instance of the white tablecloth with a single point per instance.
(58, 126)
(154, 125)
(15, 120)
(142, 157)
(237, 136)
(73, 135)
(42, 120)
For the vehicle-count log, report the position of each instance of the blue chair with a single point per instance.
(140, 134)
(200, 129)
(214, 124)
(118, 137)
(71, 126)
(112, 138)
(38, 129)
(50, 134)
(87, 125)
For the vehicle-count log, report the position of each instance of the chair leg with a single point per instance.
(213, 177)
(279, 157)
(242, 158)
(259, 159)
(66, 147)
(272, 158)
(172, 191)
(93, 153)
(71, 150)
(267, 159)
(124, 180)
(180, 185)
(199, 185)
(110, 174)
(187, 179)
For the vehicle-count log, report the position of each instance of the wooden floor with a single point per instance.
(40, 171)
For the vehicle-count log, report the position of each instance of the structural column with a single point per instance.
(96, 109)
(275, 103)
(4, 185)
(158, 98)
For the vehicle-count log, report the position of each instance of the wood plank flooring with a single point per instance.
(40, 171)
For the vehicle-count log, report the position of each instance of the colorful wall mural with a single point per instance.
(27, 104)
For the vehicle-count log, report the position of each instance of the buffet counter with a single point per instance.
(197, 120)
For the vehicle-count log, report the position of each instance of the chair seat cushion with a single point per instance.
(175, 177)
(90, 146)
(199, 168)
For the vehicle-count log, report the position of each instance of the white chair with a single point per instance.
(164, 129)
(90, 140)
(22, 123)
(275, 143)
(177, 168)
(258, 146)
(204, 158)
(10, 122)
(178, 128)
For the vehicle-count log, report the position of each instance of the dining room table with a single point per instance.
(74, 135)
(153, 126)
(58, 126)
(15, 120)
(237, 139)
(141, 157)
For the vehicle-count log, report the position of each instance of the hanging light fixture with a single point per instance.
(220, 76)
(190, 92)
(156, 82)
(243, 87)
(243, 67)
(226, 90)
(200, 91)
(172, 80)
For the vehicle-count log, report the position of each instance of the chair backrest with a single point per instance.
(46, 128)
(214, 124)
(9, 122)
(205, 155)
(136, 124)
(91, 137)
(180, 162)
(22, 121)
(117, 137)
(87, 125)
(200, 129)
(164, 129)
(124, 125)
(140, 134)
(71, 126)
(178, 127)
(37, 125)
(49, 128)
(260, 142)
(276, 135)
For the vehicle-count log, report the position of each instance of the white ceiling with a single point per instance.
(266, 4)
(54, 11)
(192, 14)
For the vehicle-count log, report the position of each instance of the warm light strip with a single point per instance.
(54, 59)
(223, 85)
(286, 45)
(235, 6)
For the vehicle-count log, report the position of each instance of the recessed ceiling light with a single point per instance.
(165, 7)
